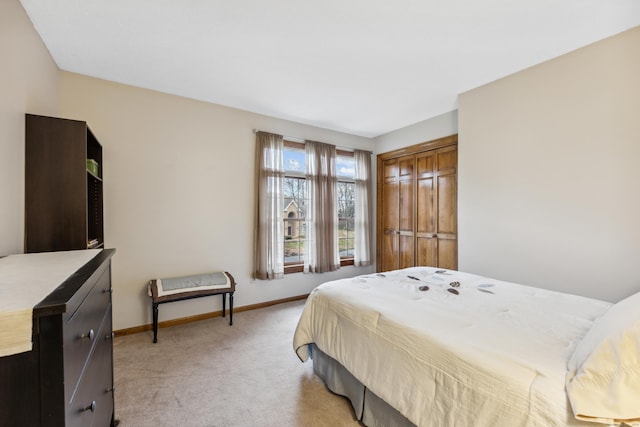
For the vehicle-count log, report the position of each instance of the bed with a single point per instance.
(431, 347)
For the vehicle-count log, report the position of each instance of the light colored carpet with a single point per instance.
(207, 374)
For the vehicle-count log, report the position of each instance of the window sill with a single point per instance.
(299, 268)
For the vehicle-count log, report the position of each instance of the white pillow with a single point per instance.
(603, 381)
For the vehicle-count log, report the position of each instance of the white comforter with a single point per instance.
(495, 354)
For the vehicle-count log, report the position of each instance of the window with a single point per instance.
(346, 206)
(313, 210)
(296, 202)
(346, 219)
(295, 206)
(294, 222)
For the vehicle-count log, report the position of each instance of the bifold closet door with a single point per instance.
(447, 207)
(426, 208)
(398, 238)
(436, 207)
(417, 207)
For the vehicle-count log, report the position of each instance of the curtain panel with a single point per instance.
(363, 210)
(269, 228)
(321, 248)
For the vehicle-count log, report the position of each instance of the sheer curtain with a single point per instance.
(363, 210)
(269, 228)
(321, 248)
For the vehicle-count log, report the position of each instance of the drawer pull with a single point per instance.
(91, 407)
(90, 335)
(108, 291)
(109, 336)
(111, 390)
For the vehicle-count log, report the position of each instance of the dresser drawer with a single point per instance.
(92, 403)
(82, 329)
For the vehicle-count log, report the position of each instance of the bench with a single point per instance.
(182, 288)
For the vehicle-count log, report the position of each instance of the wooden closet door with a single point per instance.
(406, 237)
(398, 213)
(389, 216)
(426, 194)
(417, 206)
(436, 208)
(447, 207)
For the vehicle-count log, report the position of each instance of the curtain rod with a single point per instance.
(301, 140)
(288, 138)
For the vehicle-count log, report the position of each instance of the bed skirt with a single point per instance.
(368, 408)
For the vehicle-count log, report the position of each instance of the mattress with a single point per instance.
(449, 348)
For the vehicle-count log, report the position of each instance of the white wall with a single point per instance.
(28, 83)
(427, 130)
(179, 189)
(549, 173)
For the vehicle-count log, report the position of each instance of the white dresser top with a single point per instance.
(25, 280)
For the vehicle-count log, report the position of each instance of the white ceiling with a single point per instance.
(364, 67)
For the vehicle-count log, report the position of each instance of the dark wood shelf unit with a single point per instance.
(63, 200)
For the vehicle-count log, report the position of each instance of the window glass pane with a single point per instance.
(346, 199)
(346, 213)
(293, 250)
(346, 167)
(295, 197)
(293, 160)
(295, 203)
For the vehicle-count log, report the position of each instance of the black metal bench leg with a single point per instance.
(224, 300)
(155, 322)
(230, 308)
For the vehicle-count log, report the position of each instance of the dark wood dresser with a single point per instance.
(67, 377)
